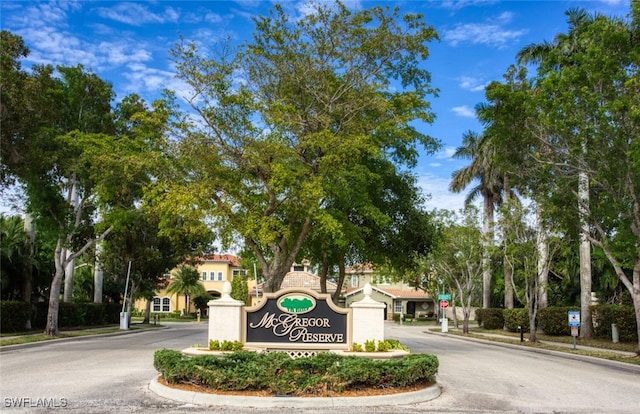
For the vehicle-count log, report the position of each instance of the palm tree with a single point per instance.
(476, 148)
(505, 118)
(186, 282)
(557, 54)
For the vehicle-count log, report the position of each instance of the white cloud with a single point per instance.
(136, 14)
(145, 79)
(464, 111)
(459, 4)
(490, 33)
(213, 18)
(486, 34)
(471, 84)
(446, 153)
(441, 197)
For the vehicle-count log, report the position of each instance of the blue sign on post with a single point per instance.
(574, 318)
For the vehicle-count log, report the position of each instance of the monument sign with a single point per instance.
(297, 318)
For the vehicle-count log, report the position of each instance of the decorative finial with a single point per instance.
(226, 290)
(367, 290)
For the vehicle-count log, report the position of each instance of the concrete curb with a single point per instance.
(594, 360)
(207, 399)
(7, 348)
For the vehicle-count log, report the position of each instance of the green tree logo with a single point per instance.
(296, 303)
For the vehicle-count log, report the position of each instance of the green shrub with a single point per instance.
(395, 344)
(231, 345)
(78, 314)
(278, 374)
(516, 317)
(14, 315)
(383, 346)
(370, 346)
(555, 320)
(215, 345)
(94, 314)
(491, 318)
(623, 316)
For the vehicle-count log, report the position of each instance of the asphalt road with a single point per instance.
(110, 374)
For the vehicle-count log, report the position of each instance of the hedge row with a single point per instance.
(14, 315)
(554, 320)
(623, 316)
(279, 374)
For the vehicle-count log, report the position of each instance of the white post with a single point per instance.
(368, 318)
(225, 317)
(255, 275)
(124, 317)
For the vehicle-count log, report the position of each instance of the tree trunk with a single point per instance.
(532, 307)
(466, 313)
(132, 295)
(28, 271)
(324, 271)
(51, 327)
(636, 305)
(487, 242)
(69, 271)
(543, 262)
(454, 314)
(586, 326)
(61, 261)
(98, 275)
(282, 255)
(341, 276)
(507, 270)
(147, 311)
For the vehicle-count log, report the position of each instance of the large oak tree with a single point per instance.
(281, 118)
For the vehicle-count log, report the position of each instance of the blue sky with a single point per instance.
(127, 43)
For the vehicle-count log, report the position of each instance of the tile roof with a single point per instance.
(305, 280)
(224, 258)
(395, 293)
(360, 268)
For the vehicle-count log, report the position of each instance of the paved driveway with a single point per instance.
(111, 375)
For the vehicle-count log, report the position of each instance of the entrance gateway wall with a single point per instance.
(296, 319)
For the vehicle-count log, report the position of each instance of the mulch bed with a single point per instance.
(364, 392)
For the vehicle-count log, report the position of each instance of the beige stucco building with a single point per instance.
(214, 270)
(399, 298)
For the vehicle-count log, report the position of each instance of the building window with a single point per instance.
(161, 304)
(239, 272)
(212, 276)
(354, 281)
(204, 275)
(219, 275)
(381, 280)
(397, 306)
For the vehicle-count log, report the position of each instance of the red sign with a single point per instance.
(444, 304)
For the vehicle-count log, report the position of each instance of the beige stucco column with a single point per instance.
(368, 318)
(225, 317)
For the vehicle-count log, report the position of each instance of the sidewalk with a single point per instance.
(516, 340)
(86, 334)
